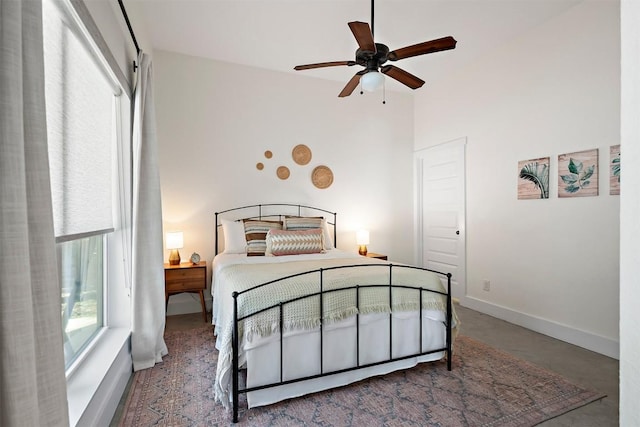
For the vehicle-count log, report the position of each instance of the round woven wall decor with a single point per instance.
(268, 154)
(283, 172)
(259, 166)
(322, 177)
(301, 154)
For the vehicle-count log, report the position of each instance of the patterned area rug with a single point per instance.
(486, 387)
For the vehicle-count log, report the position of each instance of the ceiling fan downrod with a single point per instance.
(372, 33)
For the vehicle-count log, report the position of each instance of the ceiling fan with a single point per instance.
(373, 56)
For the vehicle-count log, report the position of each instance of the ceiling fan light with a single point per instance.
(372, 81)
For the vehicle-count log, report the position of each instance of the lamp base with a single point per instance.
(174, 257)
(362, 250)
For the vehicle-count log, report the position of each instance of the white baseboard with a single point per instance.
(593, 342)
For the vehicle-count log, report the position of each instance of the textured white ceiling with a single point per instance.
(279, 34)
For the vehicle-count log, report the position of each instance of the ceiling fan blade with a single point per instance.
(324, 64)
(402, 76)
(432, 46)
(363, 35)
(353, 83)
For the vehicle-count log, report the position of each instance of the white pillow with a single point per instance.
(327, 237)
(234, 239)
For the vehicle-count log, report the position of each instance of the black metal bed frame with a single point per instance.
(320, 295)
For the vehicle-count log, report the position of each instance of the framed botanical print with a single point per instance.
(614, 170)
(578, 174)
(533, 179)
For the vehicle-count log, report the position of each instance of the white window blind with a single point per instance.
(81, 101)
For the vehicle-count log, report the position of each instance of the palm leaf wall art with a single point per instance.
(533, 182)
(614, 170)
(578, 174)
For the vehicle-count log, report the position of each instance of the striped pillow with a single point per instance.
(302, 223)
(255, 231)
(287, 242)
(307, 223)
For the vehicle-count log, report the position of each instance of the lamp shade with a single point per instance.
(372, 81)
(174, 240)
(362, 237)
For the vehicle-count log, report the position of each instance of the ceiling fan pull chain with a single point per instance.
(384, 92)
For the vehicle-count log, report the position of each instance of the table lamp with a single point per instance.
(362, 239)
(174, 242)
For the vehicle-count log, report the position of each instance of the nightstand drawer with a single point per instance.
(184, 274)
(185, 278)
(181, 285)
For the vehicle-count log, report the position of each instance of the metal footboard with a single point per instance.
(321, 293)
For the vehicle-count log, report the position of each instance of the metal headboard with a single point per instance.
(275, 210)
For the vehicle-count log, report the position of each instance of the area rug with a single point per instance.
(486, 387)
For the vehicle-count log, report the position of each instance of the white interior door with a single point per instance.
(440, 211)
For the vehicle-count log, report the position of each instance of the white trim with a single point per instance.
(418, 178)
(96, 386)
(593, 342)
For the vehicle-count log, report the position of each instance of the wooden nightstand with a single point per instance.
(375, 255)
(186, 277)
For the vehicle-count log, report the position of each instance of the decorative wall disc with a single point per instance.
(283, 172)
(268, 154)
(301, 154)
(322, 177)
(259, 166)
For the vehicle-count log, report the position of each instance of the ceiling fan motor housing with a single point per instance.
(372, 60)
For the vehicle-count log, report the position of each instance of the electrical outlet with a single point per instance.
(486, 285)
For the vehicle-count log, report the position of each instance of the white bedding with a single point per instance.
(225, 259)
(260, 353)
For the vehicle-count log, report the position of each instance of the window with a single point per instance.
(84, 130)
(82, 279)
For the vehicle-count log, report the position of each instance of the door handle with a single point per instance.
(458, 232)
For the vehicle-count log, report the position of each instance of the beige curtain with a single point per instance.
(32, 378)
(147, 337)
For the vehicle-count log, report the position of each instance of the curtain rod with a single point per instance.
(133, 36)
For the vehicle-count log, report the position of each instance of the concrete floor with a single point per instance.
(581, 366)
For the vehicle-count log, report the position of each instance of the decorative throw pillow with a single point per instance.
(308, 223)
(255, 232)
(287, 242)
(234, 237)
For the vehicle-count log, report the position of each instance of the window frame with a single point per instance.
(106, 360)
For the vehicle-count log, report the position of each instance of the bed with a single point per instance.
(302, 316)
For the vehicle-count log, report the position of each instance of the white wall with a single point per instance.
(553, 264)
(629, 214)
(215, 121)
